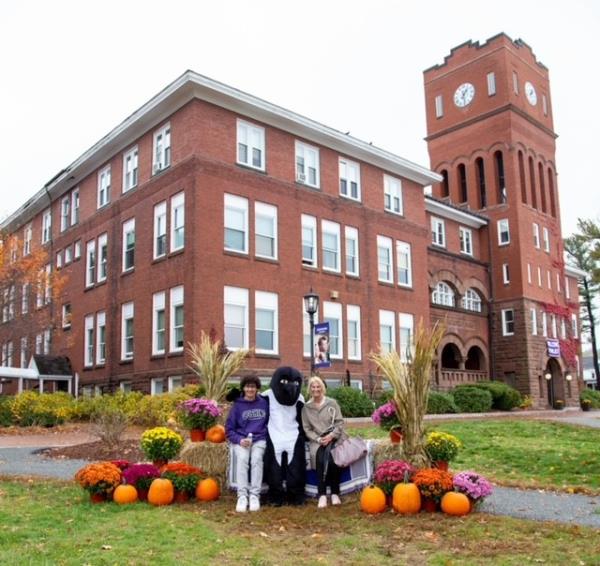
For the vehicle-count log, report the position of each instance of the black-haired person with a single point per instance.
(246, 429)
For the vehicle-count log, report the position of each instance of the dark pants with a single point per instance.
(334, 472)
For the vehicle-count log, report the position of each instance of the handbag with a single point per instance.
(349, 451)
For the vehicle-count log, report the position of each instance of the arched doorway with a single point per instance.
(554, 383)
(451, 357)
(475, 359)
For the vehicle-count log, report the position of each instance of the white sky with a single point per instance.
(71, 71)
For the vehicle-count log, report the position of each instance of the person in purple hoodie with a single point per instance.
(246, 429)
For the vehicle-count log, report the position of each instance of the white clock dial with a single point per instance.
(530, 93)
(464, 94)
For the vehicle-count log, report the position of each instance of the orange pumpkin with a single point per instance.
(208, 490)
(161, 492)
(454, 503)
(216, 434)
(406, 499)
(372, 500)
(125, 494)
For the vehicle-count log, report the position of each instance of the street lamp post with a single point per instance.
(548, 377)
(311, 306)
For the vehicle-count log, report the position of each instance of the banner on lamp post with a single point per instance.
(553, 348)
(321, 338)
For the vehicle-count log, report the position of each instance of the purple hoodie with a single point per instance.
(247, 417)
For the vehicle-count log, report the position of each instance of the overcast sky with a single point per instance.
(71, 71)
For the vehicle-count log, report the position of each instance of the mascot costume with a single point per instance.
(285, 457)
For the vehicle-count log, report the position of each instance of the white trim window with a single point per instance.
(354, 332)
(505, 274)
(307, 165)
(47, 285)
(236, 224)
(265, 230)
(47, 340)
(75, 207)
(161, 153)
(102, 257)
(157, 386)
(529, 273)
(250, 145)
(574, 326)
(387, 331)
(544, 324)
(101, 338)
(46, 226)
(558, 282)
(549, 279)
(27, 237)
(443, 295)
(177, 222)
(563, 328)
(128, 245)
(130, 169)
(438, 232)
(439, 106)
(404, 264)
(491, 83)
(349, 179)
(176, 319)
(88, 339)
(392, 195)
(471, 300)
(266, 322)
(546, 239)
(25, 290)
(90, 263)
(515, 82)
(309, 240)
(104, 186)
(127, 330)
(66, 316)
(545, 104)
(332, 313)
(466, 240)
(553, 326)
(331, 246)
(65, 213)
(125, 386)
(534, 326)
(235, 304)
(385, 262)
(160, 230)
(77, 249)
(539, 270)
(175, 382)
(39, 343)
(59, 259)
(351, 244)
(158, 324)
(407, 324)
(536, 235)
(508, 322)
(503, 232)
(23, 353)
(567, 288)
(306, 337)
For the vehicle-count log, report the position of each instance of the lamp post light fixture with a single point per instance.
(548, 376)
(311, 306)
(568, 377)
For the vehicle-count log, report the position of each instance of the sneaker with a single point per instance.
(335, 500)
(322, 502)
(254, 503)
(242, 504)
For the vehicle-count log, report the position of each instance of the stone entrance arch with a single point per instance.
(451, 357)
(555, 390)
(475, 359)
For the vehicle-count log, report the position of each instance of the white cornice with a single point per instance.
(575, 272)
(446, 211)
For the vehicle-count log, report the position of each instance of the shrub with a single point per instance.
(504, 397)
(6, 416)
(109, 424)
(384, 397)
(440, 403)
(591, 395)
(472, 399)
(46, 409)
(353, 402)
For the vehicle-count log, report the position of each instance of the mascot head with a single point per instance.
(286, 384)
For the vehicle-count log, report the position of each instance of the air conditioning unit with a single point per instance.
(157, 167)
(301, 177)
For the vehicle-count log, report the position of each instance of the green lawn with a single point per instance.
(52, 523)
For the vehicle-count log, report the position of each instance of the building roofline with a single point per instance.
(191, 85)
(575, 271)
(447, 210)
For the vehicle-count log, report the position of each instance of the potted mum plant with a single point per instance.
(184, 478)
(198, 415)
(99, 480)
(141, 476)
(432, 484)
(391, 472)
(473, 485)
(386, 417)
(442, 447)
(586, 404)
(161, 444)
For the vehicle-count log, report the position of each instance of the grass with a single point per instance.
(524, 453)
(50, 522)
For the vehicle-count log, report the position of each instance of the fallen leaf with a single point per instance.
(263, 534)
(106, 547)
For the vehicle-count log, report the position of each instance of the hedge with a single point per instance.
(471, 399)
(504, 397)
(440, 403)
(593, 396)
(353, 402)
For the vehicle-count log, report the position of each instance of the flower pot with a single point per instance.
(585, 407)
(441, 465)
(197, 435)
(395, 436)
(97, 497)
(181, 496)
(429, 505)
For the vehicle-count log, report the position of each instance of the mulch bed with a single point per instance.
(96, 451)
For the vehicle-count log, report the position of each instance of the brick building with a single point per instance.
(210, 209)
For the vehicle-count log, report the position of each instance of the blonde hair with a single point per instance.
(317, 379)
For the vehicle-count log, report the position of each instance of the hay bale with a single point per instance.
(383, 449)
(211, 458)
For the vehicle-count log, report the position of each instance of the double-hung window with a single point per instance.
(330, 233)
(544, 324)
(24, 352)
(385, 267)
(351, 241)
(407, 323)
(65, 213)
(309, 240)
(534, 329)
(46, 226)
(127, 312)
(505, 274)
(508, 322)
(25, 289)
(438, 232)
(236, 224)
(491, 84)
(392, 194)
(349, 179)
(332, 313)
(158, 323)
(439, 106)
(130, 169)
(160, 229)
(236, 317)
(66, 316)
(354, 337)
(27, 237)
(161, 155)
(75, 207)
(403, 263)
(101, 337)
(250, 145)
(536, 235)
(90, 263)
(177, 222)
(387, 331)
(104, 187)
(102, 257)
(574, 326)
(129, 244)
(546, 238)
(176, 319)
(466, 240)
(503, 232)
(88, 339)
(265, 226)
(307, 165)
(266, 322)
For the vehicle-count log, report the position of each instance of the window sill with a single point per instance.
(234, 253)
(158, 356)
(397, 214)
(406, 287)
(177, 252)
(176, 354)
(128, 272)
(334, 273)
(159, 259)
(126, 362)
(386, 283)
(157, 172)
(247, 167)
(356, 200)
(267, 356)
(271, 260)
(307, 186)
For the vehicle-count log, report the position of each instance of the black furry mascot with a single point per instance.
(285, 457)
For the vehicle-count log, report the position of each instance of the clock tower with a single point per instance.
(490, 135)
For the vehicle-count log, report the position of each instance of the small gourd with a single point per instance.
(208, 490)
(161, 492)
(406, 497)
(372, 500)
(125, 493)
(454, 503)
(216, 434)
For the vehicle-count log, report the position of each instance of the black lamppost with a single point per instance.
(311, 306)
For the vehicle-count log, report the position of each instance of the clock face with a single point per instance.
(464, 94)
(530, 93)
